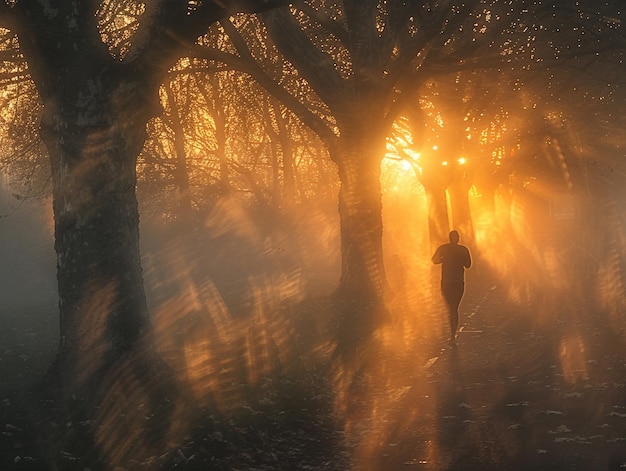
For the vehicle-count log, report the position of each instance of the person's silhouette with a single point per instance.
(454, 259)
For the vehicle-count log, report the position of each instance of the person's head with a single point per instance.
(454, 237)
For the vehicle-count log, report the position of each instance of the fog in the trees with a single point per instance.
(216, 232)
(239, 295)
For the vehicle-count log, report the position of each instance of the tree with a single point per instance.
(97, 69)
(364, 62)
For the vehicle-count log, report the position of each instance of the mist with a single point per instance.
(28, 297)
(246, 269)
(240, 305)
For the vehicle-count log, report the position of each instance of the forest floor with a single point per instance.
(532, 386)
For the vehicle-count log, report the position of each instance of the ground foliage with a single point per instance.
(534, 386)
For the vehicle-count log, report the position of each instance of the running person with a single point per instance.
(454, 259)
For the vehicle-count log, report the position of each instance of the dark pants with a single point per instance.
(452, 293)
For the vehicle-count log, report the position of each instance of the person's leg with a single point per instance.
(453, 295)
(454, 321)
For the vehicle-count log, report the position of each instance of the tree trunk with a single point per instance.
(214, 101)
(461, 214)
(102, 301)
(436, 179)
(107, 369)
(219, 117)
(360, 211)
(438, 225)
(181, 171)
(286, 145)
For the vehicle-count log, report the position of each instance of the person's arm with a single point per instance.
(468, 261)
(438, 257)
